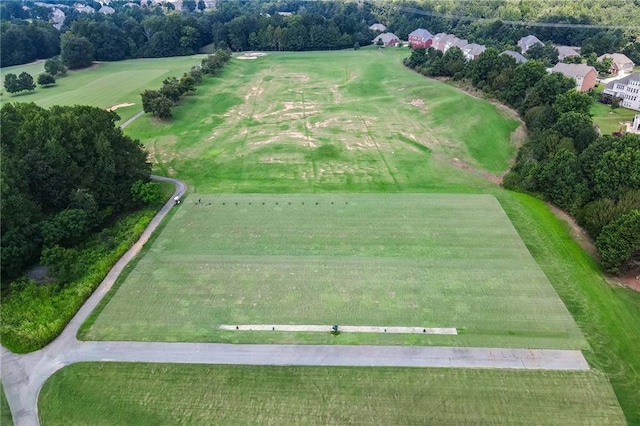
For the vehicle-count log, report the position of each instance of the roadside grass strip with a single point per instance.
(339, 329)
(402, 260)
(152, 394)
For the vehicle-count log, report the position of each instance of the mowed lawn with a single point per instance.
(422, 260)
(328, 121)
(155, 394)
(104, 85)
(608, 120)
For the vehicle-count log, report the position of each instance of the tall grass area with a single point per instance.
(33, 315)
(152, 394)
(608, 316)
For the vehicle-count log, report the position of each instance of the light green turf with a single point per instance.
(422, 260)
(104, 85)
(326, 121)
(5, 412)
(154, 394)
(609, 119)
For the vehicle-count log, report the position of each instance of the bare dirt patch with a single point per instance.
(115, 107)
(418, 103)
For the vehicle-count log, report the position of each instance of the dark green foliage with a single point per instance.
(619, 241)
(22, 41)
(147, 97)
(64, 170)
(547, 54)
(11, 83)
(54, 66)
(77, 51)
(26, 81)
(161, 107)
(147, 193)
(46, 80)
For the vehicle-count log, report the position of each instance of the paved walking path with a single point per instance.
(24, 375)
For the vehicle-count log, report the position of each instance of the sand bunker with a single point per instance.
(115, 107)
(251, 55)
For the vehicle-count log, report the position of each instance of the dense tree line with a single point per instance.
(160, 31)
(160, 102)
(22, 41)
(65, 172)
(596, 179)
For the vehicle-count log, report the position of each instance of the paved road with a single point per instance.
(24, 375)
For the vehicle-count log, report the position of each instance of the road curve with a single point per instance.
(24, 375)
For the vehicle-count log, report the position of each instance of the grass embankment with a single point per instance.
(103, 85)
(423, 260)
(33, 315)
(608, 316)
(151, 394)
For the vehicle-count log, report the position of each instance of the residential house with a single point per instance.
(635, 126)
(627, 89)
(566, 52)
(107, 10)
(83, 8)
(388, 39)
(525, 43)
(459, 43)
(440, 41)
(58, 17)
(584, 75)
(472, 51)
(378, 27)
(420, 38)
(620, 64)
(515, 55)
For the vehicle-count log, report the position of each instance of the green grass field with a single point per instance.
(104, 85)
(5, 413)
(609, 119)
(298, 122)
(388, 260)
(155, 394)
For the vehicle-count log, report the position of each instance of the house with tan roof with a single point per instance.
(620, 64)
(584, 75)
(566, 52)
(525, 43)
(472, 51)
(378, 27)
(515, 55)
(388, 39)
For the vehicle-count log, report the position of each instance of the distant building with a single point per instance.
(525, 43)
(459, 43)
(566, 52)
(584, 75)
(620, 64)
(440, 41)
(420, 38)
(388, 39)
(107, 10)
(515, 55)
(84, 8)
(472, 51)
(285, 13)
(627, 89)
(378, 27)
(58, 17)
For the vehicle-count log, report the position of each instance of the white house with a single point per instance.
(627, 89)
(636, 123)
(525, 43)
